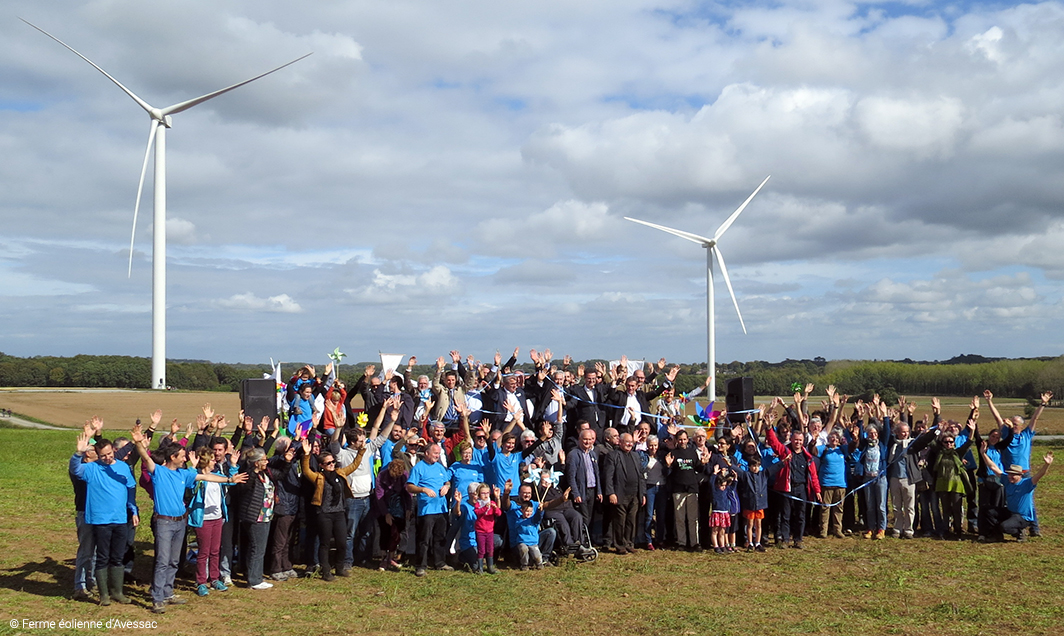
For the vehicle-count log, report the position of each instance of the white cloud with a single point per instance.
(282, 303)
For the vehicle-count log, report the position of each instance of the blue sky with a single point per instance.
(455, 176)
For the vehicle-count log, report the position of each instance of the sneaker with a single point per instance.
(176, 600)
(262, 586)
(419, 572)
(896, 534)
(292, 574)
(797, 545)
(879, 535)
(1035, 532)
(907, 535)
(759, 548)
(228, 580)
(158, 608)
(537, 565)
(445, 568)
(202, 590)
(81, 595)
(838, 535)
(218, 585)
(524, 568)
(867, 534)
(279, 576)
(650, 547)
(328, 576)
(1022, 535)
(345, 571)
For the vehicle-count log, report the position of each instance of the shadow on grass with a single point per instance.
(57, 579)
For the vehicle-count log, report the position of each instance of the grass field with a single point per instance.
(849, 586)
(120, 408)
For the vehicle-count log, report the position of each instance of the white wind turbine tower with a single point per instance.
(712, 251)
(160, 121)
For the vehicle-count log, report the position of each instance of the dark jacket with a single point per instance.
(252, 491)
(622, 475)
(575, 469)
(753, 489)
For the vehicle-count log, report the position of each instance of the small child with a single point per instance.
(753, 497)
(487, 510)
(723, 484)
(524, 526)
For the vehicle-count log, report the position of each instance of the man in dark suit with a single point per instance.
(582, 473)
(585, 402)
(624, 489)
(632, 405)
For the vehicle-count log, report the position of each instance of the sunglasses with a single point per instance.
(329, 463)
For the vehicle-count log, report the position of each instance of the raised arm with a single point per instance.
(1043, 469)
(993, 409)
(1046, 396)
(142, 448)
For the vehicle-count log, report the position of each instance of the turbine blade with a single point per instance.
(727, 281)
(140, 188)
(694, 238)
(731, 219)
(183, 106)
(143, 104)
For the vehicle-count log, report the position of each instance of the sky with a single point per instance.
(455, 175)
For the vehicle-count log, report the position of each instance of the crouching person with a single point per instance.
(528, 542)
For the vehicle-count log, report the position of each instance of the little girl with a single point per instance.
(487, 509)
(723, 485)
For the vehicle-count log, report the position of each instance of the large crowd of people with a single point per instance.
(481, 465)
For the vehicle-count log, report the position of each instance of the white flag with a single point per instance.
(390, 361)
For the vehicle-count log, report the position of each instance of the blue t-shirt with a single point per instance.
(832, 469)
(523, 530)
(386, 453)
(467, 536)
(464, 474)
(434, 476)
(1020, 497)
(506, 467)
(168, 489)
(111, 491)
(1019, 450)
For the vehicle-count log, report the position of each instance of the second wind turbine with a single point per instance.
(712, 251)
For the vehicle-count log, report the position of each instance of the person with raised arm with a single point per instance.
(1019, 493)
(208, 513)
(947, 469)
(255, 508)
(360, 480)
(1019, 449)
(531, 544)
(110, 503)
(331, 490)
(170, 481)
(797, 483)
(870, 447)
(504, 461)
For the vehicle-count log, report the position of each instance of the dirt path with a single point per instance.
(18, 421)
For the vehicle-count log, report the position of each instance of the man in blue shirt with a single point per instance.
(110, 502)
(1019, 494)
(169, 483)
(1019, 449)
(429, 481)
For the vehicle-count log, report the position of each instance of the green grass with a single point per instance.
(832, 587)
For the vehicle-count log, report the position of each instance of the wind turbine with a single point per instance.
(160, 121)
(712, 251)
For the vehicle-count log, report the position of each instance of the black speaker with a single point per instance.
(258, 398)
(739, 396)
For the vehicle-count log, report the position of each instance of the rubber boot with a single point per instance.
(490, 562)
(479, 567)
(102, 587)
(116, 578)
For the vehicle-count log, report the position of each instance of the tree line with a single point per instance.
(961, 376)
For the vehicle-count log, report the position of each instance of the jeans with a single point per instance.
(209, 539)
(645, 535)
(169, 536)
(547, 537)
(256, 533)
(110, 539)
(225, 552)
(357, 535)
(85, 564)
(876, 504)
